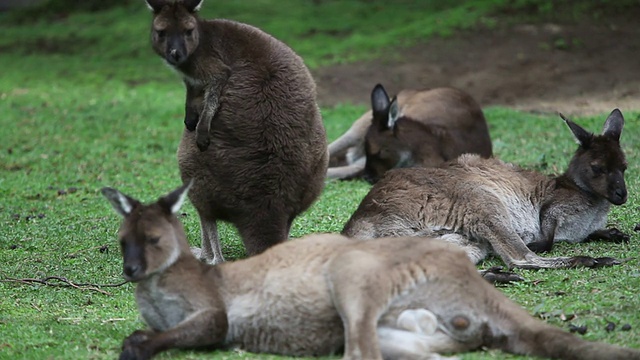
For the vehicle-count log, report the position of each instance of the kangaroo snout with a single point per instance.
(132, 271)
(175, 56)
(619, 196)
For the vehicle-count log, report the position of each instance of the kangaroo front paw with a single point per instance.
(136, 337)
(618, 236)
(590, 262)
(612, 234)
(495, 275)
(202, 139)
(132, 346)
(133, 352)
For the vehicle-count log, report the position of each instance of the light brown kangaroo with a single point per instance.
(258, 155)
(417, 128)
(486, 205)
(406, 298)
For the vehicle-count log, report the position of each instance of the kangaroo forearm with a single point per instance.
(212, 94)
(193, 106)
(203, 328)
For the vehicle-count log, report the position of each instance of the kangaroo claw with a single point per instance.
(495, 275)
(588, 261)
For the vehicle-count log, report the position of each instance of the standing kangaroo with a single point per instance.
(486, 205)
(416, 128)
(258, 154)
(406, 298)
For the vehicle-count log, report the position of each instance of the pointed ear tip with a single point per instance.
(617, 112)
(564, 118)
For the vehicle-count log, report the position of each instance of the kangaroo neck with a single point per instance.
(571, 182)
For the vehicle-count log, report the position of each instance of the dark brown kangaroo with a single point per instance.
(486, 205)
(258, 154)
(417, 128)
(406, 298)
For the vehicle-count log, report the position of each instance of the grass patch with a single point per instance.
(86, 104)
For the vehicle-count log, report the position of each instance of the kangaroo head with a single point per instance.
(174, 30)
(384, 149)
(150, 235)
(599, 164)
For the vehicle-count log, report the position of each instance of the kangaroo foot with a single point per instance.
(495, 275)
(590, 262)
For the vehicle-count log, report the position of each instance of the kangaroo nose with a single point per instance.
(620, 196)
(174, 56)
(131, 270)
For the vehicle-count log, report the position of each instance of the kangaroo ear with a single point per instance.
(155, 5)
(583, 137)
(172, 202)
(394, 113)
(614, 124)
(192, 5)
(122, 203)
(380, 108)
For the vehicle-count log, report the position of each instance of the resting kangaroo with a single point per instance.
(258, 155)
(486, 205)
(410, 298)
(416, 128)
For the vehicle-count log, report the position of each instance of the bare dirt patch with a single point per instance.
(576, 69)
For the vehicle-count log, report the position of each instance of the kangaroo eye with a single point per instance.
(161, 33)
(597, 169)
(189, 32)
(153, 240)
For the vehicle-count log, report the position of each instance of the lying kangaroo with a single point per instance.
(410, 298)
(486, 205)
(416, 128)
(258, 155)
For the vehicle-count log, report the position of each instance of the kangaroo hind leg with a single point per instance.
(361, 293)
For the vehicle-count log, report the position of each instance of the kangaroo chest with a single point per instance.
(160, 309)
(576, 224)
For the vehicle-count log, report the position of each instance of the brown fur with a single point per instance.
(486, 205)
(417, 128)
(406, 298)
(258, 154)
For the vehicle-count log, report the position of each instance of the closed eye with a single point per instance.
(597, 169)
(153, 240)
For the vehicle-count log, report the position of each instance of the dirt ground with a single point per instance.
(575, 69)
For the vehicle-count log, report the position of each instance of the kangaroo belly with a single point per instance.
(280, 321)
(524, 217)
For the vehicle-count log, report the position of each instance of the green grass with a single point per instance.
(86, 104)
